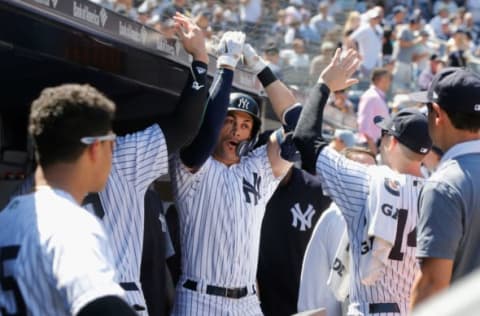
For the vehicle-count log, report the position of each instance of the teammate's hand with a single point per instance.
(229, 49)
(191, 36)
(252, 60)
(337, 74)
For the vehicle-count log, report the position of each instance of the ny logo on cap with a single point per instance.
(243, 103)
(476, 107)
(423, 150)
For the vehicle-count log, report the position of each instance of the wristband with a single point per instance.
(266, 76)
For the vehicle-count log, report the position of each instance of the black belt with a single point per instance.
(218, 291)
(378, 308)
(131, 286)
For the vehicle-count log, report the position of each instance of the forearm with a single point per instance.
(184, 123)
(308, 133)
(435, 276)
(195, 154)
(422, 289)
(279, 95)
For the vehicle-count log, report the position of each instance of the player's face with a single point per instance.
(237, 127)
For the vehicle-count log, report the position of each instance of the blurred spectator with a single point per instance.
(296, 57)
(399, 14)
(250, 15)
(321, 61)
(352, 23)
(342, 138)
(405, 54)
(426, 76)
(218, 23)
(206, 6)
(340, 101)
(440, 18)
(369, 42)
(231, 15)
(306, 30)
(279, 29)
(322, 22)
(125, 7)
(473, 6)
(293, 20)
(373, 103)
(449, 5)
(202, 21)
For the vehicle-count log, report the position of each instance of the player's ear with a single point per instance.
(93, 151)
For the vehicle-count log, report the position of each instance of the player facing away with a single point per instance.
(55, 258)
(379, 203)
(221, 189)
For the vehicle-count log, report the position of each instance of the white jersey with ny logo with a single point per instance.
(367, 196)
(55, 257)
(220, 211)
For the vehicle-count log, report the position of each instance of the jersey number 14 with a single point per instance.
(396, 252)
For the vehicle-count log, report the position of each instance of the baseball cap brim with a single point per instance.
(420, 97)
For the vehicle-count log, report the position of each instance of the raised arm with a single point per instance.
(283, 101)
(345, 181)
(184, 123)
(308, 133)
(230, 49)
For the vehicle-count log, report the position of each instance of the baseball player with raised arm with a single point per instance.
(142, 157)
(378, 203)
(55, 257)
(221, 189)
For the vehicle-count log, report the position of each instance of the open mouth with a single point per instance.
(232, 145)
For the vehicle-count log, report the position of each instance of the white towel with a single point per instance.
(379, 233)
(384, 200)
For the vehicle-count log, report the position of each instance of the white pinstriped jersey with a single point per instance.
(348, 184)
(138, 159)
(56, 255)
(220, 212)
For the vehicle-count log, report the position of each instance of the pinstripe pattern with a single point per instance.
(64, 260)
(348, 183)
(219, 229)
(138, 160)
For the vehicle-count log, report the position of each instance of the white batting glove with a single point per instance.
(252, 60)
(230, 49)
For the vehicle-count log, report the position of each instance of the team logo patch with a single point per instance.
(243, 103)
(392, 186)
(252, 189)
(302, 219)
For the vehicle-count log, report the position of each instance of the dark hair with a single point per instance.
(378, 73)
(464, 121)
(62, 115)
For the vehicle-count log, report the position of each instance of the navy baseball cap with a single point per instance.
(410, 128)
(454, 89)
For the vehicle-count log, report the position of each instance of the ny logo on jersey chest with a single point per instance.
(252, 189)
(301, 218)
